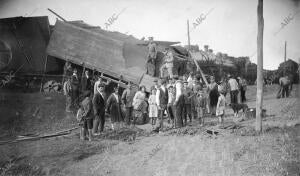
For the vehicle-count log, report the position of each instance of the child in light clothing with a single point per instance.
(200, 105)
(221, 107)
(153, 111)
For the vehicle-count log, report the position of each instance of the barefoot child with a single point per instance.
(221, 107)
(153, 111)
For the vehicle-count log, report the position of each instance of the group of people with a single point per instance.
(184, 98)
(93, 99)
(179, 99)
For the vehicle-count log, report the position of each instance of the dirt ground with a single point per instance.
(192, 150)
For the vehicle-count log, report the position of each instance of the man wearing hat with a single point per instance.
(75, 88)
(127, 99)
(162, 98)
(152, 54)
(234, 89)
(187, 93)
(68, 93)
(99, 102)
(168, 63)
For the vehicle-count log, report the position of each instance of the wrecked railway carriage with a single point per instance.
(31, 47)
(115, 55)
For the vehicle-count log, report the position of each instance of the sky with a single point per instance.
(229, 27)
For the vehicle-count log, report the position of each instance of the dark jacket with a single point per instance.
(86, 84)
(99, 104)
(127, 97)
(74, 83)
(188, 93)
(87, 107)
(114, 108)
(163, 97)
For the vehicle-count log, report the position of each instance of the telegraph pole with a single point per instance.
(284, 69)
(188, 32)
(259, 96)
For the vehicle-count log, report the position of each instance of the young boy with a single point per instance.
(200, 105)
(220, 112)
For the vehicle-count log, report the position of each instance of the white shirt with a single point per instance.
(116, 96)
(158, 94)
(96, 86)
(101, 93)
(233, 84)
(178, 86)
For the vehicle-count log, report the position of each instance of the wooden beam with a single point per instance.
(199, 69)
(57, 15)
(259, 93)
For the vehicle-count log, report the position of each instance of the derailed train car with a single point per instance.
(113, 54)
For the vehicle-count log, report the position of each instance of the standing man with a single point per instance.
(99, 102)
(127, 98)
(99, 80)
(162, 98)
(68, 93)
(86, 85)
(171, 100)
(179, 104)
(168, 63)
(234, 90)
(243, 88)
(187, 93)
(152, 54)
(75, 88)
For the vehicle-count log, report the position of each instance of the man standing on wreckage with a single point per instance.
(152, 54)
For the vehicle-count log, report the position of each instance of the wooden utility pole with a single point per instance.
(284, 69)
(259, 96)
(188, 32)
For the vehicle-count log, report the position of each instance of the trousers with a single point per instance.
(99, 122)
